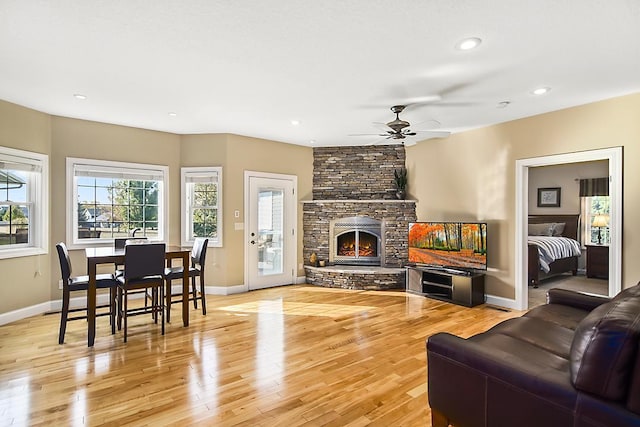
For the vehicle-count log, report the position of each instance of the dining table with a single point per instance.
(111, 255)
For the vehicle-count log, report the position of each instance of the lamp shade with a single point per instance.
(600, 221)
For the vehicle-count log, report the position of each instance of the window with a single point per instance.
(23, 203)
(202, 204)
(595, 211)
(108, 200)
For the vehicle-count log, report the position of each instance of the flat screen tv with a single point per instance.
(457, 246)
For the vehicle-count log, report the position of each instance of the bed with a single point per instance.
(553, 249)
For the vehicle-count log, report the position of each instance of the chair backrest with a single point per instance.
(65, 262)
(199, 251)
(141, 260)
(120, 243)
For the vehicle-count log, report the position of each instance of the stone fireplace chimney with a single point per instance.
(356, 183)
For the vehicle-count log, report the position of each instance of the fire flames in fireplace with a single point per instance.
(367, 245)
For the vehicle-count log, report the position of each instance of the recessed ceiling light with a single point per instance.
(79, 96)
(295, 122)
(540, 90)
(503, 104)
(172, 114)
(313, 141)
(469, 43)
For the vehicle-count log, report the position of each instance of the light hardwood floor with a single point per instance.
(287, 356)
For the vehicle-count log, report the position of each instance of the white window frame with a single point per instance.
(107, 167)
(214, 174)
(38, 199)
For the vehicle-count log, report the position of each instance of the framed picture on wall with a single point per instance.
(549, 197)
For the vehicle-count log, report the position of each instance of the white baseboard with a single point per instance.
(45, 307)
(301, 280)
(501, 302)
(215, 290)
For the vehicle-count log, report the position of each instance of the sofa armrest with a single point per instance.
(581, 300)
(491, 376)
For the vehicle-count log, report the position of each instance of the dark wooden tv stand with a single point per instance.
(462, 289)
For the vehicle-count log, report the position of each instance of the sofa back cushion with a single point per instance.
(604, 349)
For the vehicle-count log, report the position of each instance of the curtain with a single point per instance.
(594, 187)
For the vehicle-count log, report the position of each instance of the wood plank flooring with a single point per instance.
(294, 355)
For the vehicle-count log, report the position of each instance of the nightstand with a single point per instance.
(598, 261)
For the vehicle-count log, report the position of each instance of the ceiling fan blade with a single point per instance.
(365, 134)
(382, 126)
(434, 133)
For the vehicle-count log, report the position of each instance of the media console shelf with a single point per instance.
(462, 289)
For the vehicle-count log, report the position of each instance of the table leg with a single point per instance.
(91, 303)
(185, 288)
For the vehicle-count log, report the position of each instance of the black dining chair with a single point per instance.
(81, 283)
(198, 256)
(143, 269)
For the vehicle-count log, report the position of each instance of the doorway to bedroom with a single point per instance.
(559, 176)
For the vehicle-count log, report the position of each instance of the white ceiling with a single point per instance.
(251, 67)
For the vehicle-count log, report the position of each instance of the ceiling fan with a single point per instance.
(399, 129)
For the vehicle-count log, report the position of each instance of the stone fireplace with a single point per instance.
(354, 222)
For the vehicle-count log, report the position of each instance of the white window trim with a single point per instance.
(40, 199)
(185, 220)
(72, 211)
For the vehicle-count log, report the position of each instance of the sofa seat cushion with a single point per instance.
(540, 333)
(562, 315)
(605, 347)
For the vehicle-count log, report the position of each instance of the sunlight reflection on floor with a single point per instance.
(298, 308)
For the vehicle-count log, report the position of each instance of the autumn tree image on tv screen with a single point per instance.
(448, 244)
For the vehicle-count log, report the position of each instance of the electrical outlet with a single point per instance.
(60, 284)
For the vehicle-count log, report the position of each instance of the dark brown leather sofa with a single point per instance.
(572, 362)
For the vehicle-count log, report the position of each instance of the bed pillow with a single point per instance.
(558, 228)
(544, 229)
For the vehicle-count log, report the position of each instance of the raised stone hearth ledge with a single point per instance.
(356, 277)
(360, 201)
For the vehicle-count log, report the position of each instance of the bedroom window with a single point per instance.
(596, 219)
(594, 211)
(202, 204)
(23, 203)
(108, 200)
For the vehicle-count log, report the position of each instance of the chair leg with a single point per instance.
(161, 305)
(64, 314)
(194, 292)
(120, 307)
(124, 312)
(167, 292)
(112, 309)
(202, 295)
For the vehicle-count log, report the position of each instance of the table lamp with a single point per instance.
(600, 221)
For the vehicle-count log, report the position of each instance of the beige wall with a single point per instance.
(37, 277)
(566, 177)
(471, 175)
(24, 281)
(237, 154)
(468, 176)
(93, 140)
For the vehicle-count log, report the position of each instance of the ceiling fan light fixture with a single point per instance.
(469, 43)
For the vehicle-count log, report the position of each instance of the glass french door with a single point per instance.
(270, 241)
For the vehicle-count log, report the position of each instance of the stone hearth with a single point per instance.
(356, 277)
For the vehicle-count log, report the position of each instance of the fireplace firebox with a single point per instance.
(356, 240)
